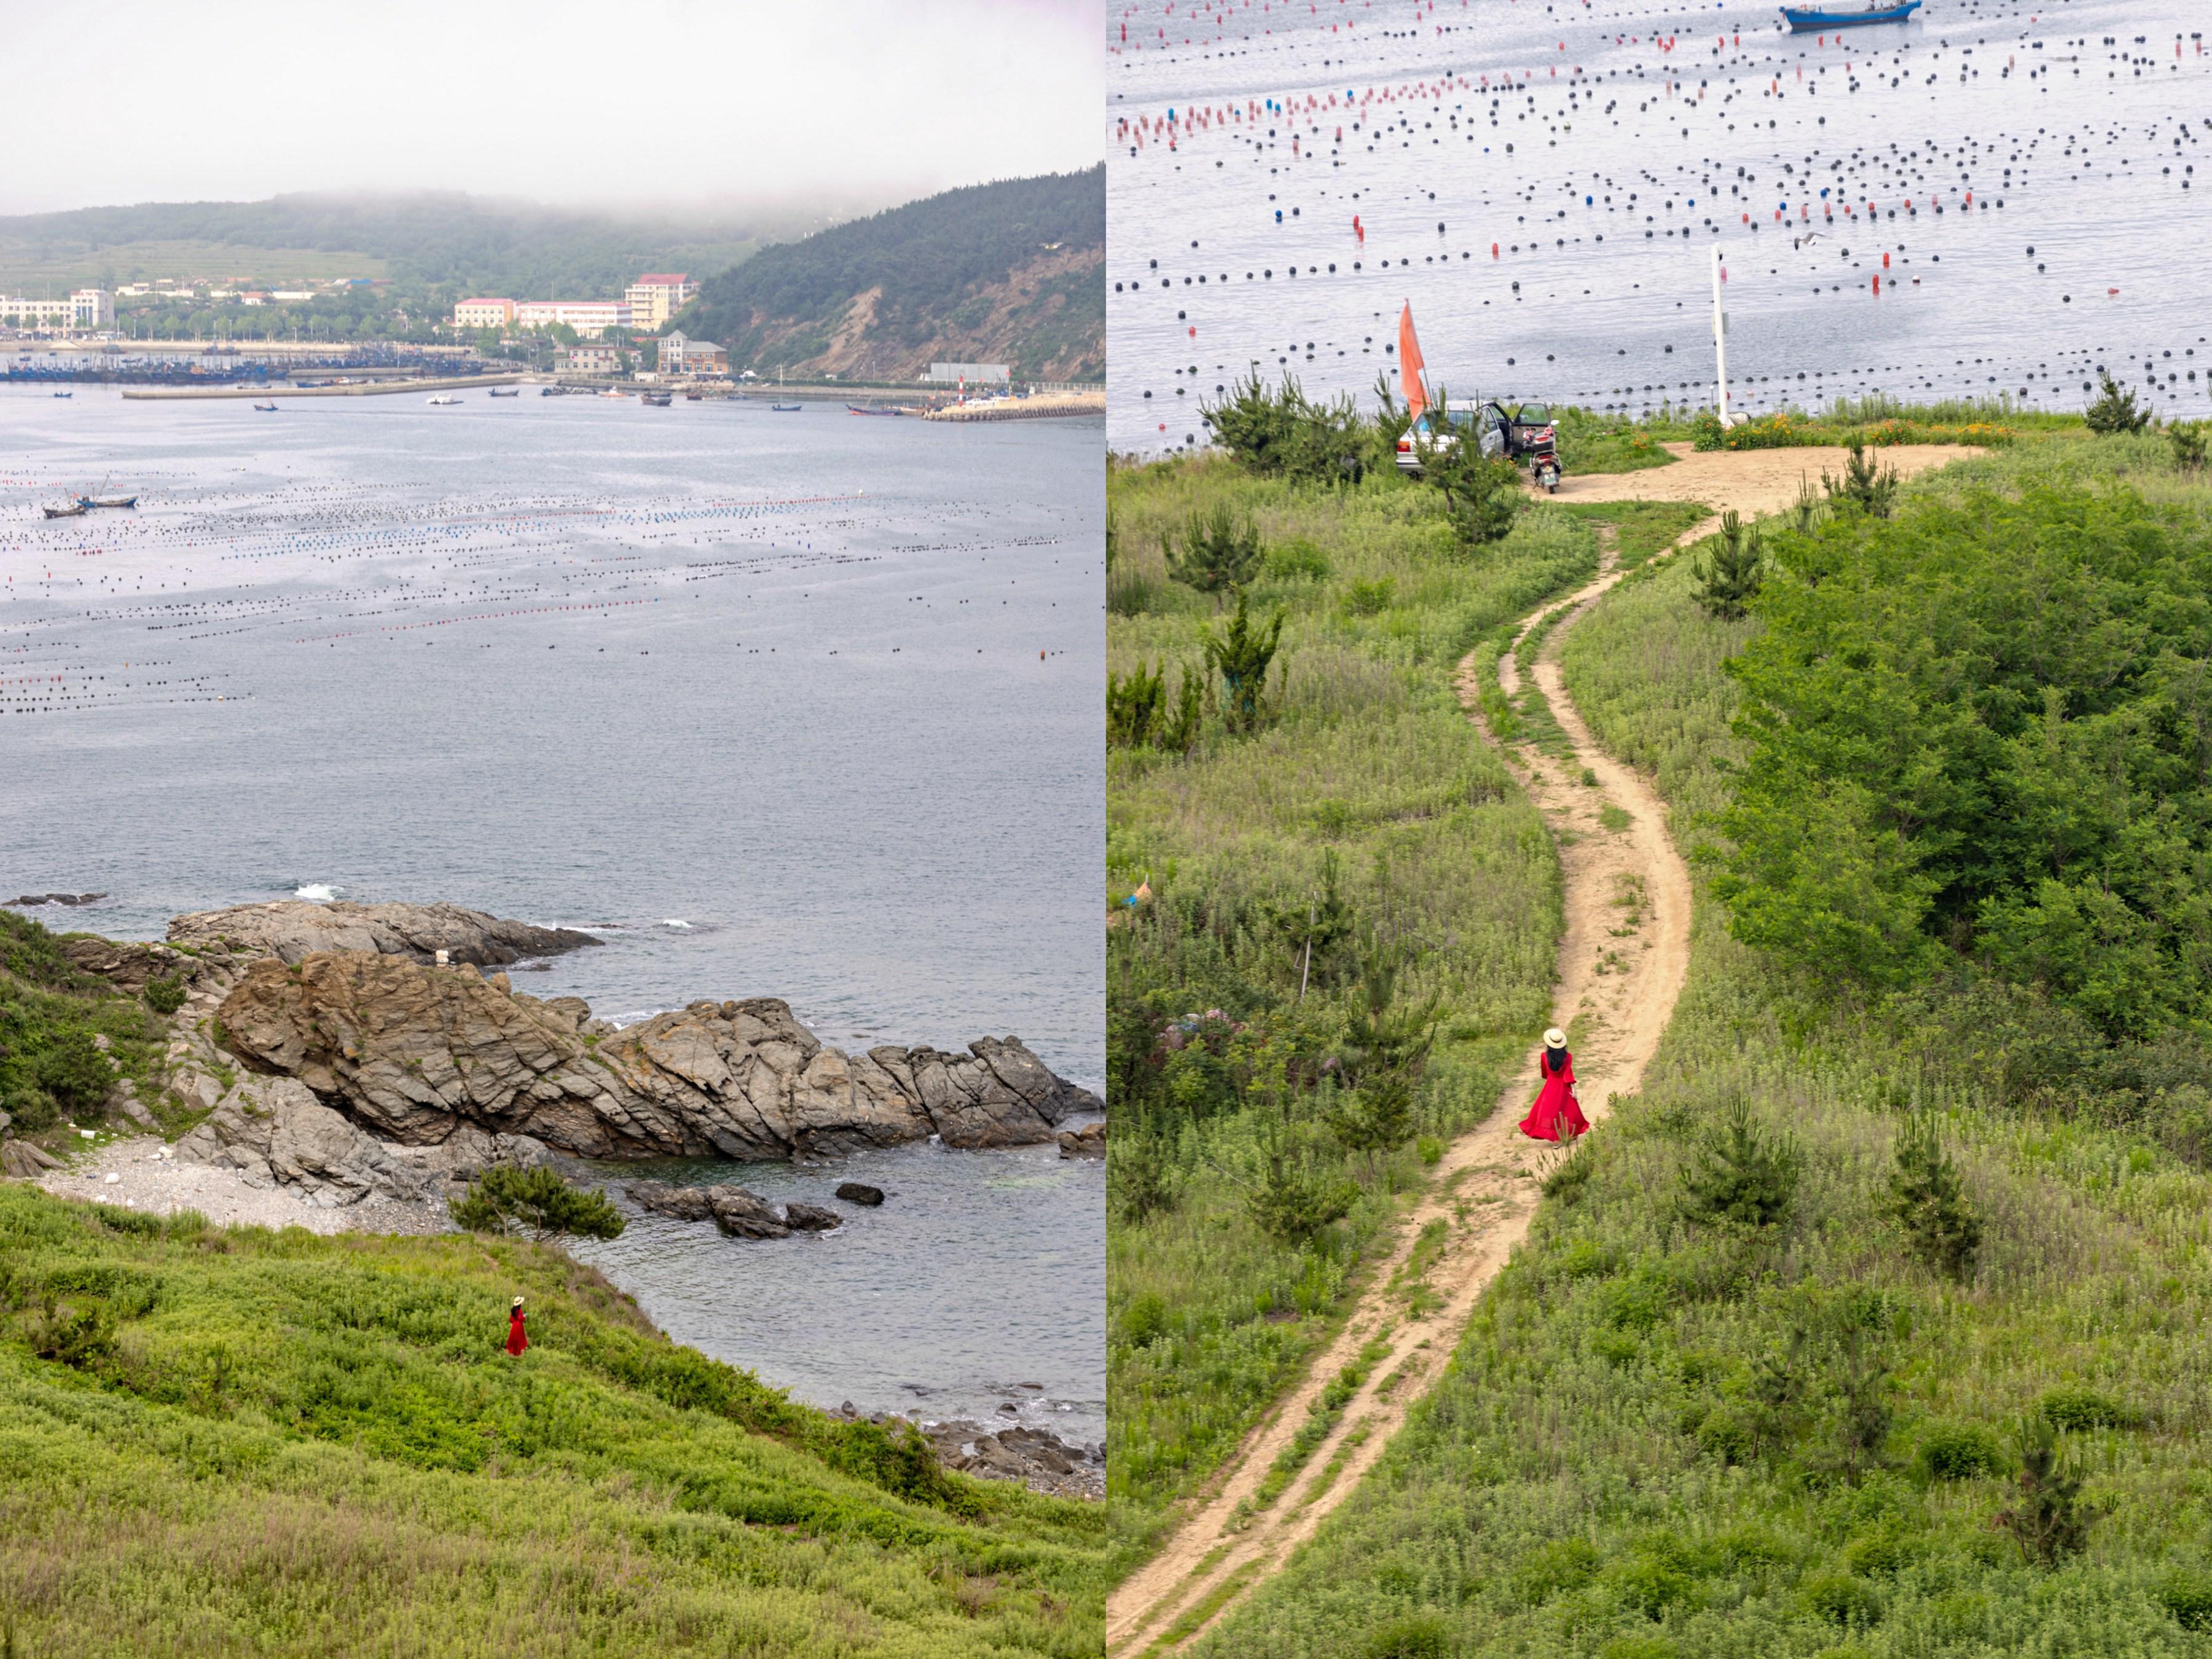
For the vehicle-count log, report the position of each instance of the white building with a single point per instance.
(484, 314)
(590, 317)
(87, 308)
(593, 359)
(681, 355)
(659, 295)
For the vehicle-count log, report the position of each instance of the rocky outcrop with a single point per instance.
(128, 964)
(1089, 1141)
(859, 1192)
(417, 1053)
(809, 1217)
(737, 1212)
(274, 1132)
(291, 929)
(26, 1159)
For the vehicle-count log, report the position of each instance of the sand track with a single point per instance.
(1622, 959)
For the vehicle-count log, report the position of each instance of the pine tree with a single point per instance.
(1241, 654)
(2050, 1521)
(1729, 582)
(1743, 1174)
(1871, 488)
(1928, 1198)
(1218, 553)
(2115, 410)
(534, 1202)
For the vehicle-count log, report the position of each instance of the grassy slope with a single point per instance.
(317, 1445)
(1374, 760)
(1555, 1495)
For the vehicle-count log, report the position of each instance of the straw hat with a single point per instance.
(518, 1302)
(1555, 1038)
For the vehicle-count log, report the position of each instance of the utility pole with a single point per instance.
(1720, 342)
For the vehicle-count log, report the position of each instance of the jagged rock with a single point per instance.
(744, 1215)
(290, 929)
(468, 1152)
(21, 1158)
(123, 1101)
(26, 900)
(127, 964)
(414, 1051)
(855, 1192)
(1089, 1141)
(273, 1131)
(684, 1203)
(809, 1217)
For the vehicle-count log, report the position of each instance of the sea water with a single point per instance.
(1545, 184)
(784, 705)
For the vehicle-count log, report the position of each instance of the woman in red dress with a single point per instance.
(516, 1341)
(1557, 1116)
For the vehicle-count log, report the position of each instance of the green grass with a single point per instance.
(1582, 1482)
(1370, 760)
(280, 1444)
(47, 1006)
(1641, 529)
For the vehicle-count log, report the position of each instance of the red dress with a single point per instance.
(516, 1341)
(1556, 1107)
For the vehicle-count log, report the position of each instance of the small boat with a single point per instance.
(695, 397)
(552, 391)
(109, 500)
(654, 399)
(873, 409)
(73, 510)
(1803, 21)
(511, 392)
(610, 393)
(267, 409)
(443, 399)
(786, 409)
(65, 394)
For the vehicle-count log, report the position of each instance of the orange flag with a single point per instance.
(1410, 365)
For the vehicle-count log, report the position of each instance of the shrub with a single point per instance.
(1958, 1451)
(1928, 1200)
(1841, 1598)
(165, 996)
(1139, 716)
(1291, 1202)
(1414, 1636)
(2187, 439)
(1368, 598)
(1743, 1174)
(2187, 1595)
(72, 1069)
(1296, 560)
(1144, 1321)
(1283, 433)
(537, 1202)
(2072, 1410)
(31, 1109)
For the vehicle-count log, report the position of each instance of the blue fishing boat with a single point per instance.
(1802, 21)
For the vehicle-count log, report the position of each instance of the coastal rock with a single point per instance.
(857, 1192)
(274, 1132)
(290, 929)
(1037, 1457)
(744, 1215)
(1089, 1141)
(414, 1051)
(128, 964)
(22, 1158)
(809, 1217)
(684, 1203)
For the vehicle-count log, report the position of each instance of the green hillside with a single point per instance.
(1014, 270)
(448, 244)
(230, 1441)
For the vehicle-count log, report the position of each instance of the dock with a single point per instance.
(267, 392)
(1042, 407)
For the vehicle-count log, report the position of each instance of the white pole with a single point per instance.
(1720, 342)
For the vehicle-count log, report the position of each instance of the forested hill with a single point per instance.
(1007, 272)
(445, 242)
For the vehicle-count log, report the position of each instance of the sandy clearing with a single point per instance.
(1750, 481)
(163, 1186)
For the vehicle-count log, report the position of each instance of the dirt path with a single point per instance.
(1623, 958)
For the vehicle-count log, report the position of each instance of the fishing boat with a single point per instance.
(552, 391)
(1804, 21)
(654, 399)
(65, 394)
(511, 392)
(695, 397)
(267, 409)
(73, 510)
(873, 409)
(443, 399)
(109, 500)
(786, 409)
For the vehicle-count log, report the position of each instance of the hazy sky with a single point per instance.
(650, 102)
